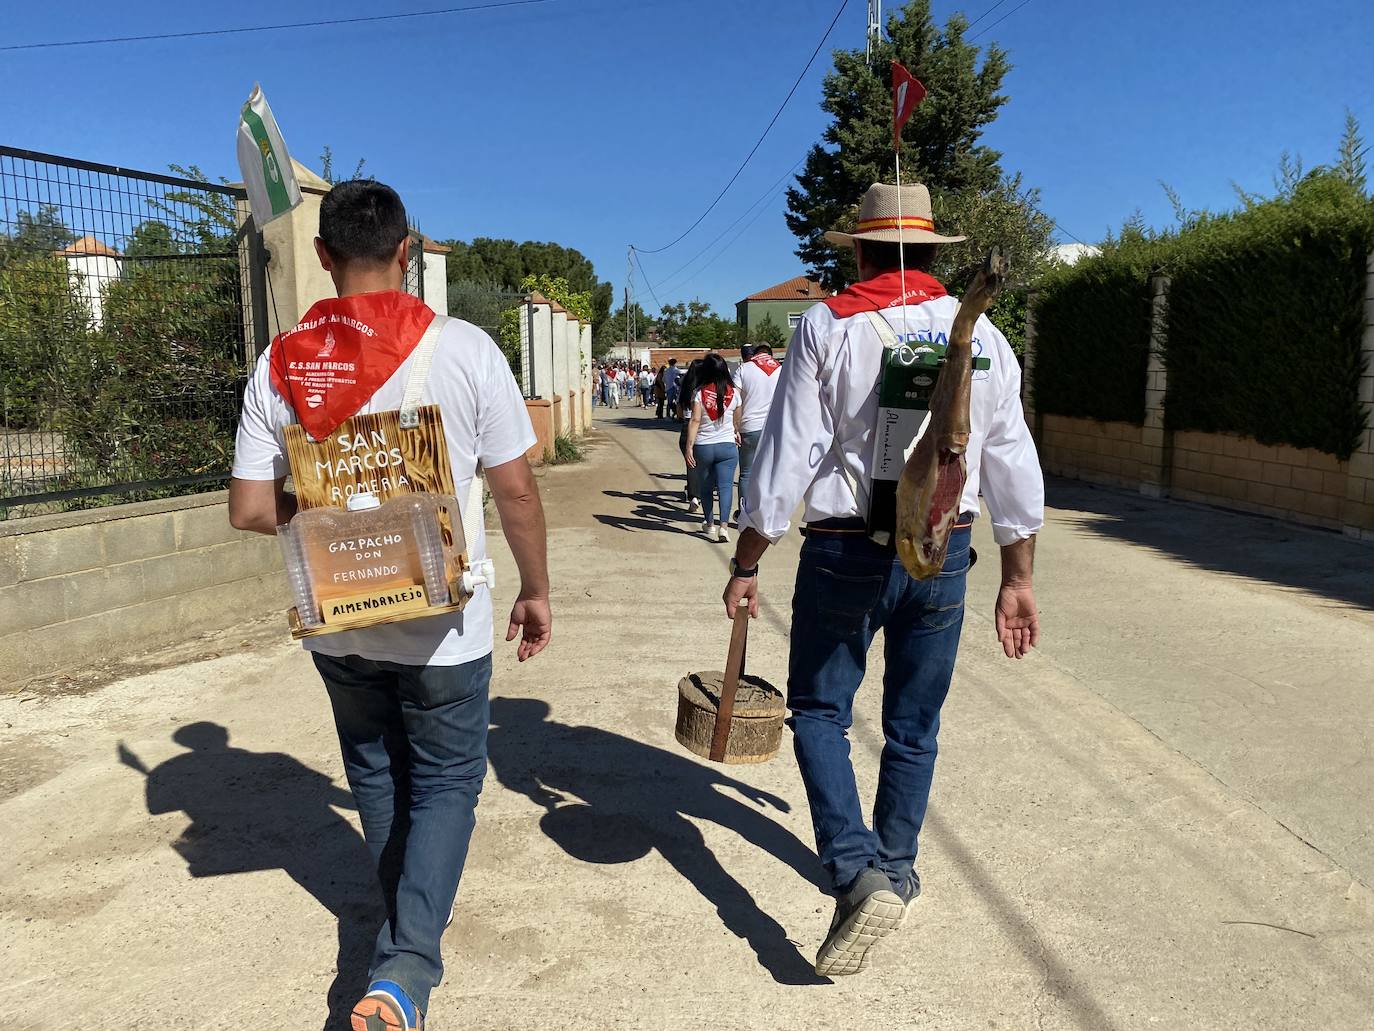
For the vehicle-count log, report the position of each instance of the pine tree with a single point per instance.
(940, 148)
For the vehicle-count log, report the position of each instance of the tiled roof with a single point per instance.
(90, 245)
(799, 289)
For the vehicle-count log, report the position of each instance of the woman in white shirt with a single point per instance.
(713, 442)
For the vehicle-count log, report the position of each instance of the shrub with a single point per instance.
(1266, 319)
(565, 451)
(44, 320)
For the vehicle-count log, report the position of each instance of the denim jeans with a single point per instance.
(716, 465)
(847, 588)
(414, 742)
(748, 444)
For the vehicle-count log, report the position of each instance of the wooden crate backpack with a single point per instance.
(374, 540)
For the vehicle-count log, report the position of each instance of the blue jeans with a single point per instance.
(847, 588)
(716, 465)
(748, 444)
(414, 742)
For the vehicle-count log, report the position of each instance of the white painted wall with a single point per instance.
(541, 353)
(88, 274)
(436, 282)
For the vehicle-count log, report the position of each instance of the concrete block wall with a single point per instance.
(1301, 485)
(109, 583)
(1298, 484)
(1111, 453)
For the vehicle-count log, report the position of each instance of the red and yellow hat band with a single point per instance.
(868, 225)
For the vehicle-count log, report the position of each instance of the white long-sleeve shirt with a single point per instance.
(826, 407)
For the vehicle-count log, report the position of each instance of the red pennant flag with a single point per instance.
(907, 93)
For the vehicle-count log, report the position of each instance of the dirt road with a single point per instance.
(1160, 819)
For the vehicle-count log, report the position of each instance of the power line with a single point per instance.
(642, 275)
(733, 240)
(999, 21)
(767, 194)
(492, 5)
(778, 114)
(984, 14)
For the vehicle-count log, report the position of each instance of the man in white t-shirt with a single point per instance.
(757, 377)
(410, 699)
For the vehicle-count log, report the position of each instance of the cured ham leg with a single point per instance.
(932, 483)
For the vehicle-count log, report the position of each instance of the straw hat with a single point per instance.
(878, 218)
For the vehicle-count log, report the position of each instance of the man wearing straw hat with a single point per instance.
(818, 444)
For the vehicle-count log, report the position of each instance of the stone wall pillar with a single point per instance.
(558, 357)
(1154, 469)
(294, 269)
(541, 349)
(584, 378)
(572, 407)
(1357, 514)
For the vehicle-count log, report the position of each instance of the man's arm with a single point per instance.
(784, 464)
(1018, 620)
(1014, 489)
(260, 505)
(522, 521)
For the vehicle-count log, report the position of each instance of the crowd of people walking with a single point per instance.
(719, 412)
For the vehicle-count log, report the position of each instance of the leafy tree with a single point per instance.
(506, 264)
(768, 332)
(44, 321)
(41, 231)
(327, 167)
(940, 148)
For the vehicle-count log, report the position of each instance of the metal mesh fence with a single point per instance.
(125, 309)
(484, 305)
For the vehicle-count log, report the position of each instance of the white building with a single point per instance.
(90, 266)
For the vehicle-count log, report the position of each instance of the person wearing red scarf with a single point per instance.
(818, 443)
(409, 699)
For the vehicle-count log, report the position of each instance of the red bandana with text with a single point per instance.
(342, 352)
(710, 400)
(766, 363)
(885, 291)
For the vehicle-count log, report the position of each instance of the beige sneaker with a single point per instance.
(722, 535)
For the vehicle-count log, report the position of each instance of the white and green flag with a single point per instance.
(264, 162)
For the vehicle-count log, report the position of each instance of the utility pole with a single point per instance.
(875, 27)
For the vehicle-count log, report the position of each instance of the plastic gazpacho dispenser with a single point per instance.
(370, 562)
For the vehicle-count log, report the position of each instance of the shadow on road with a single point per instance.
(660, 510)
(1227, 542)
(254, 811)
(636, 798)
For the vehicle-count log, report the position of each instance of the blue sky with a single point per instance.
(597, 123)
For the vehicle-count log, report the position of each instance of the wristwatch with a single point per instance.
(741, 573)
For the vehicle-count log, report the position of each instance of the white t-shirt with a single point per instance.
(757, 387)
(646, 379)
(484, 420)
(718, 431)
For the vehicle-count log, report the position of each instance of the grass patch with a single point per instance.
(565, 451)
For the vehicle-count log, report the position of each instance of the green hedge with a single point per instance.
(1092, 338)
(1265, 322)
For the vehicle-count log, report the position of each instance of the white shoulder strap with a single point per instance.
(410, 418)
(419, 372)
(884, 330)
(856, 486)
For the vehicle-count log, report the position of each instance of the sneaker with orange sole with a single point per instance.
(386, 1007)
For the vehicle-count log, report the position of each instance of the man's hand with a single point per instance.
(533, 615)
(738, 590)
(1018, 620)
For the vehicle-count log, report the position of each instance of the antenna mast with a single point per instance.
(875, 27)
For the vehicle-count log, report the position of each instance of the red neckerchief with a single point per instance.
(885, 291)
(766, 363)
(341, 353)
(711, 402)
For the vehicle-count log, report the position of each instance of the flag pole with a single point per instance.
(901, 243)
